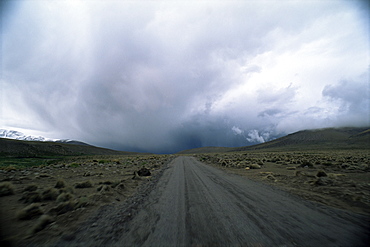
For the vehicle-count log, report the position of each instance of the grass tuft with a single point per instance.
(85, 184)
(6, 189)
(31, 187)
(63, 207)
(31, 197)
(30, 212)
(42, 222)
(60, 184)
(50, 194)
(64, 197)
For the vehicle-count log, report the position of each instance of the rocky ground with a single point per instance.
(39, 204)
(337, 178)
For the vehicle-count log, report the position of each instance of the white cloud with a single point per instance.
(237, 131)
(254, 137)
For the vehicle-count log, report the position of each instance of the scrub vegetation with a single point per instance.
(39, 203)
(338, 178)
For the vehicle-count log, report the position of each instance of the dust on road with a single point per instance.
(193, 204)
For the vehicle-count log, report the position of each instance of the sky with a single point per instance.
(164, 76)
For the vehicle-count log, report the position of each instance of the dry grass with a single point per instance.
(63, 197)
(6, 189)
(63, 194)
(30, 212)
(84, 184)
(41, 223)
(60, 184)
(338, 178)
(50, 194)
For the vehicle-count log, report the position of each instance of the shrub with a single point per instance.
(30, 212)
(300, 173)
(63, 207)
(103, 188)
(321, 173)
(10, 168)
(64, 197)
(42, 222)
(60, 184)
(306, 163)
(106, 182)
(115, 183)
(144, 172)
(6, 189)
(85, 184)
(335, 176)
(324, 181)
(74, 165)
(120, 186)
(31, 187)
(255, 166)
(271, 177)
(327, 163)
(33, 196)
(103, 161)
(50, 194)
(66, 190)
(82, 202)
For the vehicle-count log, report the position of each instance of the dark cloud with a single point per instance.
(161, 76)
(352, 99)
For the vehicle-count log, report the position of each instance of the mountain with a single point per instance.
(316, 139)
(16, 144)
(24, 149)
(12, 134)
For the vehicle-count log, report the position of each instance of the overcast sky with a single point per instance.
(162, 76)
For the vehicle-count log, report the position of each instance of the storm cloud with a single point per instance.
(160, 77)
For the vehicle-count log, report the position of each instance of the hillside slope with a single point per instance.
(17, 148)
(330, 138)
(317, 139)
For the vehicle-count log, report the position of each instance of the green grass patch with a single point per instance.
(27, 162)
(104, 161)
(74, 165)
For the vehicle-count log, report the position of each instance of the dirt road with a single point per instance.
(193, 204)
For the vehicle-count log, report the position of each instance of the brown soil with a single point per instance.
(50, 201)
(337, 178)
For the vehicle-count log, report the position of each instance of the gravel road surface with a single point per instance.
(193, 204)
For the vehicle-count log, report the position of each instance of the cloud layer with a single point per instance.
(166, 76)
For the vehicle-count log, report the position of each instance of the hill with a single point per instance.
(316, 139)
(18, 148)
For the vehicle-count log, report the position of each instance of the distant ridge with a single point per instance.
(315, 139)
(19, 148)
(73, 142)
(329, 138)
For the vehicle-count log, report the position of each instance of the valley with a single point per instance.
(64, 195)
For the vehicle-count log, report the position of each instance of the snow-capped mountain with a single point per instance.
(13, 134)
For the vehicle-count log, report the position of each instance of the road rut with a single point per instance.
(194, 204)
